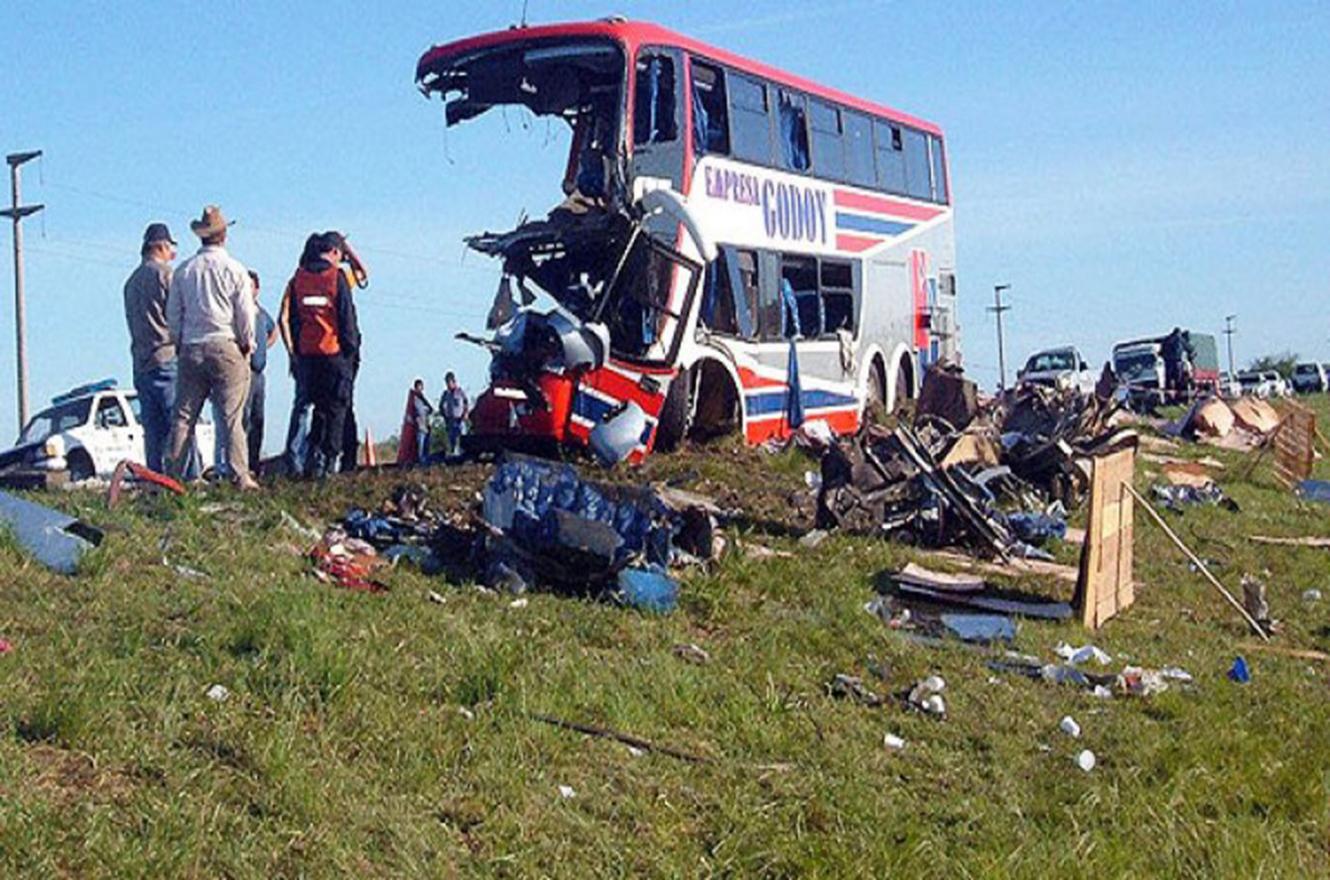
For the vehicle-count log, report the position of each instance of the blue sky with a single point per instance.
(1124, 166)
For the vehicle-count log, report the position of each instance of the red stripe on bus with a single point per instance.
(751, 380)
(842, 422)
(855, 243)
(621, 388)
(895, 207)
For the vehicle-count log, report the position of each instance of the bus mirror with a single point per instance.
(671, 204)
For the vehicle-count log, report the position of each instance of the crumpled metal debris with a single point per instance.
(852, 687)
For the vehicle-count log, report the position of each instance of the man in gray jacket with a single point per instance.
(150, 340)
(210, 310)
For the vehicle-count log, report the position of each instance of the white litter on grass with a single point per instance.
(812, 479)
(1102, 692)
(1176, 673)
(935, 683)
(1083, 654)
(636, 752)
(218, 693)
(1311, 595)
(567, 792)
(436, 598)
(518, 603)
(466, 713)
(1086, 760)
(1069, 726)
(893, 742)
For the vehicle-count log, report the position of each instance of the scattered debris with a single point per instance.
(1253, 600)
(626, 739)
(348, 562)
(519, 603)
(1177, 498)
(1298, 653)
(1314, 490)
(567, 792)
(56, 540)
(852, 687)
(1322, 543)
(919, 576)
(980, 628)
(648, 589)
(988, 600)
(1311, 595)
(1086, 760)
(218, 693)
(926, 696)
(692, 653)
(1069, 726)
(466, 713)
(893, 742)
(140, 473)
(812, 539)
(6, 646)
(1083, 654)
(1239, 672)
(436, 598)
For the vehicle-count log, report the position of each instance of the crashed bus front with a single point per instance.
(588, 317)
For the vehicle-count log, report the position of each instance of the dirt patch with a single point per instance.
(67, 776)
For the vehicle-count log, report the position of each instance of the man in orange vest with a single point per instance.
(327, 342)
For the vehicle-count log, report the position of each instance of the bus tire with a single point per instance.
(904, 386)
(715, 412)
(875, 397)
(673, 424)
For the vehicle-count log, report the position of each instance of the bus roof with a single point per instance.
(632, 34)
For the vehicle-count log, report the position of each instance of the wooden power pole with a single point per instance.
(16, 212)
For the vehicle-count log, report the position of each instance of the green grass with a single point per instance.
(342, 750)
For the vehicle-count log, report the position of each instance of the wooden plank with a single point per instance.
(1105, 583)
(1294, 445)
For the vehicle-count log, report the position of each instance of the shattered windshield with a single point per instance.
(1051, 361)
(1137, 365)
(579, 81)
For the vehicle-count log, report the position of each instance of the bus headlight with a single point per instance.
(54, 447)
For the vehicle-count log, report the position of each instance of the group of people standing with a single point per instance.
(198, 334)
(454, 408)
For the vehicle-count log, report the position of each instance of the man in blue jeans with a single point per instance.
(150, 340)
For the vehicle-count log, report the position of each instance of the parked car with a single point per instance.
(88, 431)
(1057, 368)
(1279, 386)
(1309, 378)
(1229, 386)
(1259, 384)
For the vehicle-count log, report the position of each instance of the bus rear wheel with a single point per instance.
(904, 387)
(875, 401)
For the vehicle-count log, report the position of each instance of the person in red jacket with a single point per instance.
(327, 341)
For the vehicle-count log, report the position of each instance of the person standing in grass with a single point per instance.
(265, 336)
(421, 410)
(154, 353)
(210, 311)
(454, 407)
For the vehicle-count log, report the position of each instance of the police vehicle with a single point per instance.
(88, 431)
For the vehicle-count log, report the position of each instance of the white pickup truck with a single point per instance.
(1060, 368)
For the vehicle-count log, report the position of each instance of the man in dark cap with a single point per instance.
(150, 340)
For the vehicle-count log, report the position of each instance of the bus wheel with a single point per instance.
(676, 413)
(715, 408)
(904, 387)
(875, 403)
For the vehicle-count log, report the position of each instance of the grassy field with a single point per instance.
(387, 735)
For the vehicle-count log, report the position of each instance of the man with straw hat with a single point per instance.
(211, 313)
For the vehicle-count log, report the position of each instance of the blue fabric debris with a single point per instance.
(1238, 671)
(525, 497)
(794, 411)
(1315, 490)
(648, 589)
(1037, 528)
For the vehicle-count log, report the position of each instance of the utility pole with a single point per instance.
(1228, 333)
(997, 309)
(16, 213)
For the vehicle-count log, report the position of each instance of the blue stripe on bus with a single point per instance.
(594, 410)
(766, 402)
(860, 223)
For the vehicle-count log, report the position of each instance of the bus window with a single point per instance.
(798, 277)
(917, 176)
(890, 157)
(654, 116)
(837, 296)
(939, 170)
(750, 126)
(793, 131)
(859, 150)
(828, 150)
(711, 126)
(730, 301)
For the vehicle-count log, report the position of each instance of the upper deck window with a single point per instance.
(940, 194)
(859, 150)
(655, 117)
(918, 177)
(793, 131)
(890, 157)
(750, 119)
(711, 124)
(828, 146)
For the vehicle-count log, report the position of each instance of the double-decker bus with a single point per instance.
(737, 247)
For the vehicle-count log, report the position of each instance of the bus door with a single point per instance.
(658, 120)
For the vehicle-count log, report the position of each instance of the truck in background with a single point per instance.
(1142, 367)
(1060, 368)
